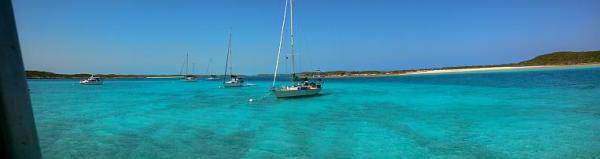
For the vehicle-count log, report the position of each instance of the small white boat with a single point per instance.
(188, 77)
(92, 80)
(299, 87)
(212, 78)
(234, 80)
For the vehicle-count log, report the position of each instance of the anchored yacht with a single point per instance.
(300, 86)
(188, 77)
(92, 80)
(234, 80)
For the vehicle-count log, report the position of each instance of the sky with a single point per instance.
(153, 36)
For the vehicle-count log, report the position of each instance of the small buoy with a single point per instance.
(250, 100)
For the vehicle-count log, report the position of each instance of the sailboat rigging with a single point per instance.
(188, 77)
(234, 80)
(211, 76)
(300, 86)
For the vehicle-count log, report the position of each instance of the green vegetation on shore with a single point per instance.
(555, 58)
(50, 75)
(564, 58)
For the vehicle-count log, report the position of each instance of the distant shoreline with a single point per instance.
(111, 77)
(555, 59)
(458, 70)
(386, 74)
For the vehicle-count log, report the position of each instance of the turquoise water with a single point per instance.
(517, 114)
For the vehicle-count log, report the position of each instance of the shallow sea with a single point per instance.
(534, 113)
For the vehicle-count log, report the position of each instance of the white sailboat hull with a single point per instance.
(190, 80)
(236, 84)
(85, 82)
(296, 93)
(212, 79)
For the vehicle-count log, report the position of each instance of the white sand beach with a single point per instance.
(463, 70)
(460, 70)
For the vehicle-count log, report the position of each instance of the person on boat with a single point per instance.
(305, 79)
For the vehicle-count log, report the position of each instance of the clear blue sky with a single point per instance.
(152, 36)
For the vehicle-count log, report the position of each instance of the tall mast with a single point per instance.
(208, 67)
(280, 42)
(229, 52)
(186, 63)
(227, 59)
(292, 37)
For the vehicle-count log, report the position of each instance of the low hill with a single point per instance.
(564, 58)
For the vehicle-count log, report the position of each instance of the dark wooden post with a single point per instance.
(18, 136)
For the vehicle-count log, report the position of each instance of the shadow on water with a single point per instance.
(306, 97)
(324, 94)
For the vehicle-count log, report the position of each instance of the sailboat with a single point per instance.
(299, 86)
(188, 77)
(211, 76)
(234, 80)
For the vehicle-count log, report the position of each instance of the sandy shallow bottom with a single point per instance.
(515, 114)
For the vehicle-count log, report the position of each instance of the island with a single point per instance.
(555, 59)
(51, 75)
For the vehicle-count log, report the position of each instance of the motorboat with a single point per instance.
(92, 80)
